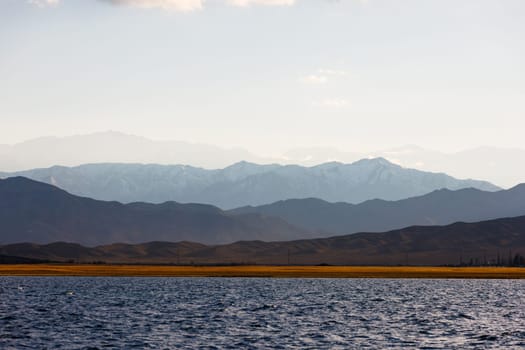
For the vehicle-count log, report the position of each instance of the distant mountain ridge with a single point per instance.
(501, 166)
(36, 212)
(488, 242)
(441, 207)
(112, 146)
(246, 183)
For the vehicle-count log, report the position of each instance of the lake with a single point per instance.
(233, 313)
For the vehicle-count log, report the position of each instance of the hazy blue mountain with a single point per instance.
(114, 146)
(32, 211)
(440, 207)
(246, 183)
(501, 166)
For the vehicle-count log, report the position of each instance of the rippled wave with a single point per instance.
(233, 313)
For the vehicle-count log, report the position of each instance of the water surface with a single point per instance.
(233, 313)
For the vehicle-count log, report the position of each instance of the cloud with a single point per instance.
(332, 103)
(171, 5)
(332, 72)
(193, 5)
(395, 161)
(245, 3)
(314, 79)
(322, 76)
(43, 3)
(175, 5)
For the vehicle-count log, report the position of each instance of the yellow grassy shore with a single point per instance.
(262, 271)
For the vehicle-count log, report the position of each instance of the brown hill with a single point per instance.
(488, 242)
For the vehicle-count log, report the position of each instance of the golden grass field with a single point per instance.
(261, 271)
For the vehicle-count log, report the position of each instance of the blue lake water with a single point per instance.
(236, 313)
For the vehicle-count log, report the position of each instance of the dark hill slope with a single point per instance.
(440, 207)
(40, 213)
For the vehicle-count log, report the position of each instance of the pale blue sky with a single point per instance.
(357, 75)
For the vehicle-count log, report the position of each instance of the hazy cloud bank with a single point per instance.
(322, 76)
(332, 103)
(174, 5)
(43, 3)
(245, 3)
(192, 5)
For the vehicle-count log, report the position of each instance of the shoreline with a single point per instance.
(85, 270)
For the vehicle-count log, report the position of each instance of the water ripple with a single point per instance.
(221, 313)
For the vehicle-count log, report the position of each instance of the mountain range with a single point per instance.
(31, 211)
(440, 207)
(59, 226)
(35, 212)
(112, 146)
(501, 166)
(487, 242)
(244, 183)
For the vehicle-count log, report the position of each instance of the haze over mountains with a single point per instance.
(501, 166)
(441, 207)
(35, 212)
(266, 210)
(114, 146)
(244, 183)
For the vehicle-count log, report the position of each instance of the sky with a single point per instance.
(267, 75)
